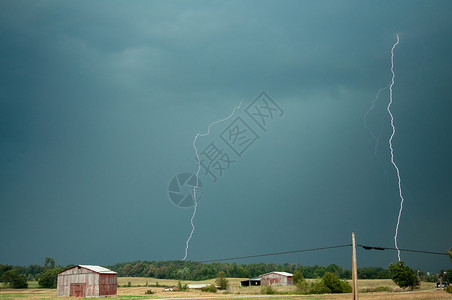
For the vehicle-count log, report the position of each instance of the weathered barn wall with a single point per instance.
(108, 284)
(277, 278)
(82, 282)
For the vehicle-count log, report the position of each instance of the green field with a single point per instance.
(363, 284)
(141, 281)
(388, 290)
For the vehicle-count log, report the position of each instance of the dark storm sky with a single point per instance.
(100, 103)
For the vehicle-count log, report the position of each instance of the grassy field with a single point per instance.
(141, 281)
(138, 289)
(364, 285)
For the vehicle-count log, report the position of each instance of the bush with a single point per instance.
(345, 287)
(149, 292)
(209, 288)
(319, 287)
(297, 277)
(302, 286)
(48, 279)
(332, 282)
(14, 280)
(329, 283)
(221, 280)
(181, 287)
(448, 288)
(335, 285)
(267, 290)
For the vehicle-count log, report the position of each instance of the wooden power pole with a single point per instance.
(354, 269)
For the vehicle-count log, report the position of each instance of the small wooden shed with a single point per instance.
(251, 282)
(277, 278)
(87, 281)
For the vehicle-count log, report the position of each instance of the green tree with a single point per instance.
(319, 287)
(126, 270)
(150, 271)
(448, 275)
(300, 282)
(403, 275)
(346, 274)
(221, 280)
(334, 284)
(49, 263)
(4, 268)
(450, 253)
(34, 270)
(183, 273)
(297, 277)
(48, 279)
(137, 269)
(14, 280)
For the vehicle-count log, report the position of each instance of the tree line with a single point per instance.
(18, 276)
(186, 270)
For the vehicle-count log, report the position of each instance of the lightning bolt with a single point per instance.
(392, 150)
(196, 187)
(374, 136)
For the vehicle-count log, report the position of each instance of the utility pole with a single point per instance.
(354, 269)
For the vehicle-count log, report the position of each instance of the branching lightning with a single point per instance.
(196, 187)
(392, 150)
(374, 136)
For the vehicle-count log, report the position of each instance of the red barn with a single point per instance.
(87, 281)
(277, 278)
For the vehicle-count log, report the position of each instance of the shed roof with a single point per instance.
(99, 269)
(96, 269)
(279, 273)
(252, 279)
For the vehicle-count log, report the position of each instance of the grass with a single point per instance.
(138, 293)
(369, 289)
(28, 293)
(141, 281)
(376, 290)
(366, 285)
(33, 284)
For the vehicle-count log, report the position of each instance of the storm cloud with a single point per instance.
(100, 103)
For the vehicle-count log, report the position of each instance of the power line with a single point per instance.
(365, 247)
(275, 253)
(323, 248)
(404, 250)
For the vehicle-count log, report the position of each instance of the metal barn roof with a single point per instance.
(279, 273)
(98, 269)
(252, 279)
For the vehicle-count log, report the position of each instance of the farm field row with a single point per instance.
(426, 291)
(234, 283)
